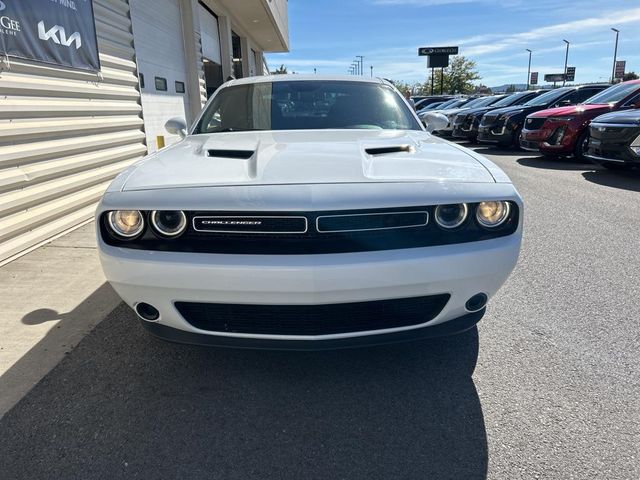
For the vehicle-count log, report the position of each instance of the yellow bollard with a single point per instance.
(160, 141)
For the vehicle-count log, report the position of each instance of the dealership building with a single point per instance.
(86, 87)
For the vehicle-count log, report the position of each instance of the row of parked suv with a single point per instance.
(598, 122)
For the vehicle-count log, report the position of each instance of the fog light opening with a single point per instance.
(147, 312)
(477, 302)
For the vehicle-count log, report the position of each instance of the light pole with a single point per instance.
(566, 60)
(356, 64)
(361, 64)
(529, 69)
(371, 67)
(615, 56)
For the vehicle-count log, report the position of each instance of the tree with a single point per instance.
(281, 70)
(630, 76)
(458, 77)
(510, 89)
(414, 88)
(482, 90)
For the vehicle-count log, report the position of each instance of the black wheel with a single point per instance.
(581, 146)
(515, 143)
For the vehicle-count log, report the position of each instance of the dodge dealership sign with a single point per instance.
(62, 32)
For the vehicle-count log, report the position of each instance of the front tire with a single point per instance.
(581, 147)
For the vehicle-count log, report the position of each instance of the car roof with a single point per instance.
(298, 77)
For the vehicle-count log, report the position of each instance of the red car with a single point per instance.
(564, 131)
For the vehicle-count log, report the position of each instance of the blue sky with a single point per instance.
(328, 34)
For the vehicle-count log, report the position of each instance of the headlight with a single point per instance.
(126, 223)
(169, 223)
(492, 214)
(451, 216)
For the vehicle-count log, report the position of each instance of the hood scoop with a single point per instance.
(238, 154)
(391, 149)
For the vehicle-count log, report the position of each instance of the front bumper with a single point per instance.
(600, 152)
(451, 327)
(163, 278)
(499, 135)
(465, 129)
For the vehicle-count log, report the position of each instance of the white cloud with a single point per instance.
(555, 32)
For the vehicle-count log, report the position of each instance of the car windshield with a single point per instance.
(613, 94)
(306, 105)
(481, 102)
(455, 104)
(510, 100)
(548, 98)
(448, 103)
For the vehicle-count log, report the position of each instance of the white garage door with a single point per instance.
(157, 30)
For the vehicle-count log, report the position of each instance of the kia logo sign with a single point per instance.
(59, 36)
(2, 6)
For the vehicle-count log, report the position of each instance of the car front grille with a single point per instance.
(490, 121)
(534, 123)
(312, 320)
(310, 233)
(614, 134)
(463, 122)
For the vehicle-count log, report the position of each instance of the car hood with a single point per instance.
(452, 111)
(627, 117)
(477, 111)
(514, 109)
(306, 157)
(573, 110)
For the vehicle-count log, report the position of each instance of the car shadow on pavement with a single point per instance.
(124, 404)
(625, 179)
(60, 338)
(555, 164)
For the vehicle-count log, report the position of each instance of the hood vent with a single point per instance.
(393, 149)
(239, 154)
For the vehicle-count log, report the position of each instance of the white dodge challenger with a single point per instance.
(306, 212)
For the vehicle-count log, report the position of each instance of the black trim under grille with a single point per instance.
(312, 320)
(341, 231)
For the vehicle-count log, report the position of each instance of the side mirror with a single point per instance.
(435, 121)
(564, 103)
(176, 126)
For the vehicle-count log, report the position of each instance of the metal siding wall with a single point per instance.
(64, 134)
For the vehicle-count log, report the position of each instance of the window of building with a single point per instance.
(179, 87)
(237, 55)
(161, 84)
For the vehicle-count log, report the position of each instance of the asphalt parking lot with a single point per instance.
(546, 387)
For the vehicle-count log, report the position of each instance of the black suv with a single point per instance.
(503, 126)
(466, 123)
(615, 140)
